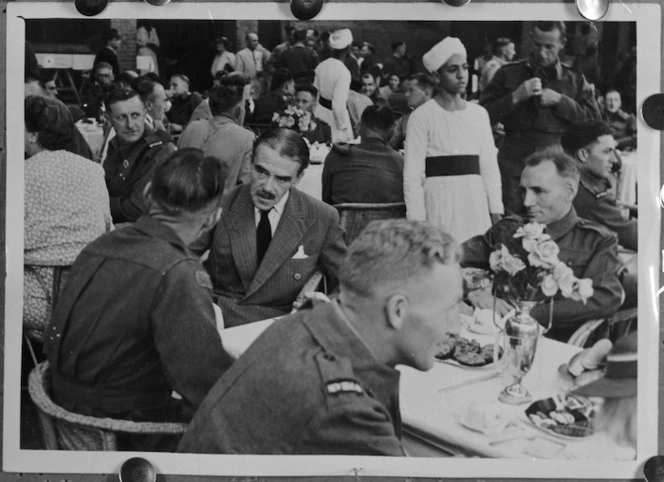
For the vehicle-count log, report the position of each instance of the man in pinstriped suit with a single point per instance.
(271, 238)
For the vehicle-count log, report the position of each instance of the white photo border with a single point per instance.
(648, 18)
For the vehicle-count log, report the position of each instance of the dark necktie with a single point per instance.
(263, 236)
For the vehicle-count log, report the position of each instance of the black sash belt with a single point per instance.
(327, 103)
(452, 165)
(112, 399)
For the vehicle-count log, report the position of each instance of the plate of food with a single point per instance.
(482, 322)
(462, 352)
(566, 416)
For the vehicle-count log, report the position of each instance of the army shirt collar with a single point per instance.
(595, 184)
(156, 229)
(560, 228)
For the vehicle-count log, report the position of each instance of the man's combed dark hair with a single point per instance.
(550, 26)
(187, 181)
(582, 134)
(377, 117)
(499, 44)
(118, 95)
(145, 89)
(280, 78)
(224, 98)
(425, 81)
(51, 120)
(307, 88)
(287, 143)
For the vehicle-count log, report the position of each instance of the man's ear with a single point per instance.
(572, 188)
(582, 154)
(397, 308)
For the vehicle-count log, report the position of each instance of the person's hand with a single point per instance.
(495, 217)
(175, 127)
(498, 129)
(529, 88)
(550, 98)
(484, 299)
(311, 298)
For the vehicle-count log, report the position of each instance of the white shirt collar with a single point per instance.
(275, 213)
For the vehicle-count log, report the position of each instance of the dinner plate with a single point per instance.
(581, 409)
(454, 363)
(485, 328)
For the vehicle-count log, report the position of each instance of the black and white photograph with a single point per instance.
(396, 239)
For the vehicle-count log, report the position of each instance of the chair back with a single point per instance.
(64, 430)
(354, 217)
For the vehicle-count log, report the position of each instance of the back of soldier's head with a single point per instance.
(394, 252)
(224, 98)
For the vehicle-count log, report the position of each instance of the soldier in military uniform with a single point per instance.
(132, 155)
(323, 381)
(593, 147)
(135, 320)
(535, 99)
(622, 124)
(549, 183)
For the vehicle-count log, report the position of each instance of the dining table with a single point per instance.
(432, 404)
(93, 133)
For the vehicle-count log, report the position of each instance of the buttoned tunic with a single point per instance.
(595, 202)
(133, 323)
(128, 169)
(587, 247)
(307, 385)
(528, 125)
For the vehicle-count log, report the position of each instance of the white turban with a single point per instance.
(435, 58)
(340, 39)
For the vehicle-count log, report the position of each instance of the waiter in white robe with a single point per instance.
(332, 80)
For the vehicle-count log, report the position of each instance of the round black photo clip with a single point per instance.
(90, 8)
(457, 3)
(652, 111)
(137, 469)
(306, 9)
(654, 469)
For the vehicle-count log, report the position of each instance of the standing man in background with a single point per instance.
(535, 99)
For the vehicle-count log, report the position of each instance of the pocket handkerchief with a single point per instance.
(300, 254)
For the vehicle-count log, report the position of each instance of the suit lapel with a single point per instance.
(242, 229)
(293, 225)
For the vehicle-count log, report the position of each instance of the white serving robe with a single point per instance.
(332, 79)
(459, 205)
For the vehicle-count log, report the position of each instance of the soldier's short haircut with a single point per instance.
(394, 251)
(565, 165)
(377, 117)
(187, 181)
(118, 95)
(224, 98)
(582, 134)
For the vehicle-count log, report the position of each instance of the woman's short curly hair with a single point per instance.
(51, 120)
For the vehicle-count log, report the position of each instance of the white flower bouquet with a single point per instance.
(529, 269)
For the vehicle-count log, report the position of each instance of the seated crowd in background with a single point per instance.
(214, 232)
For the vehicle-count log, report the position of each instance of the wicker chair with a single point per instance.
(613, 328)
(355, 216)
(64, 430)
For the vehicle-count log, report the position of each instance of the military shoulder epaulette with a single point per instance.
(155, 144)
(593, 226)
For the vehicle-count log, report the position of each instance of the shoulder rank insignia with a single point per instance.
(336, 387)
(203, 279)
(155, 144)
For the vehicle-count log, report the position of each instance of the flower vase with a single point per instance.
(518, 341)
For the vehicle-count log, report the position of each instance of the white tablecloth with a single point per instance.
(94, 136)
(427, 413)
(311, 182)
